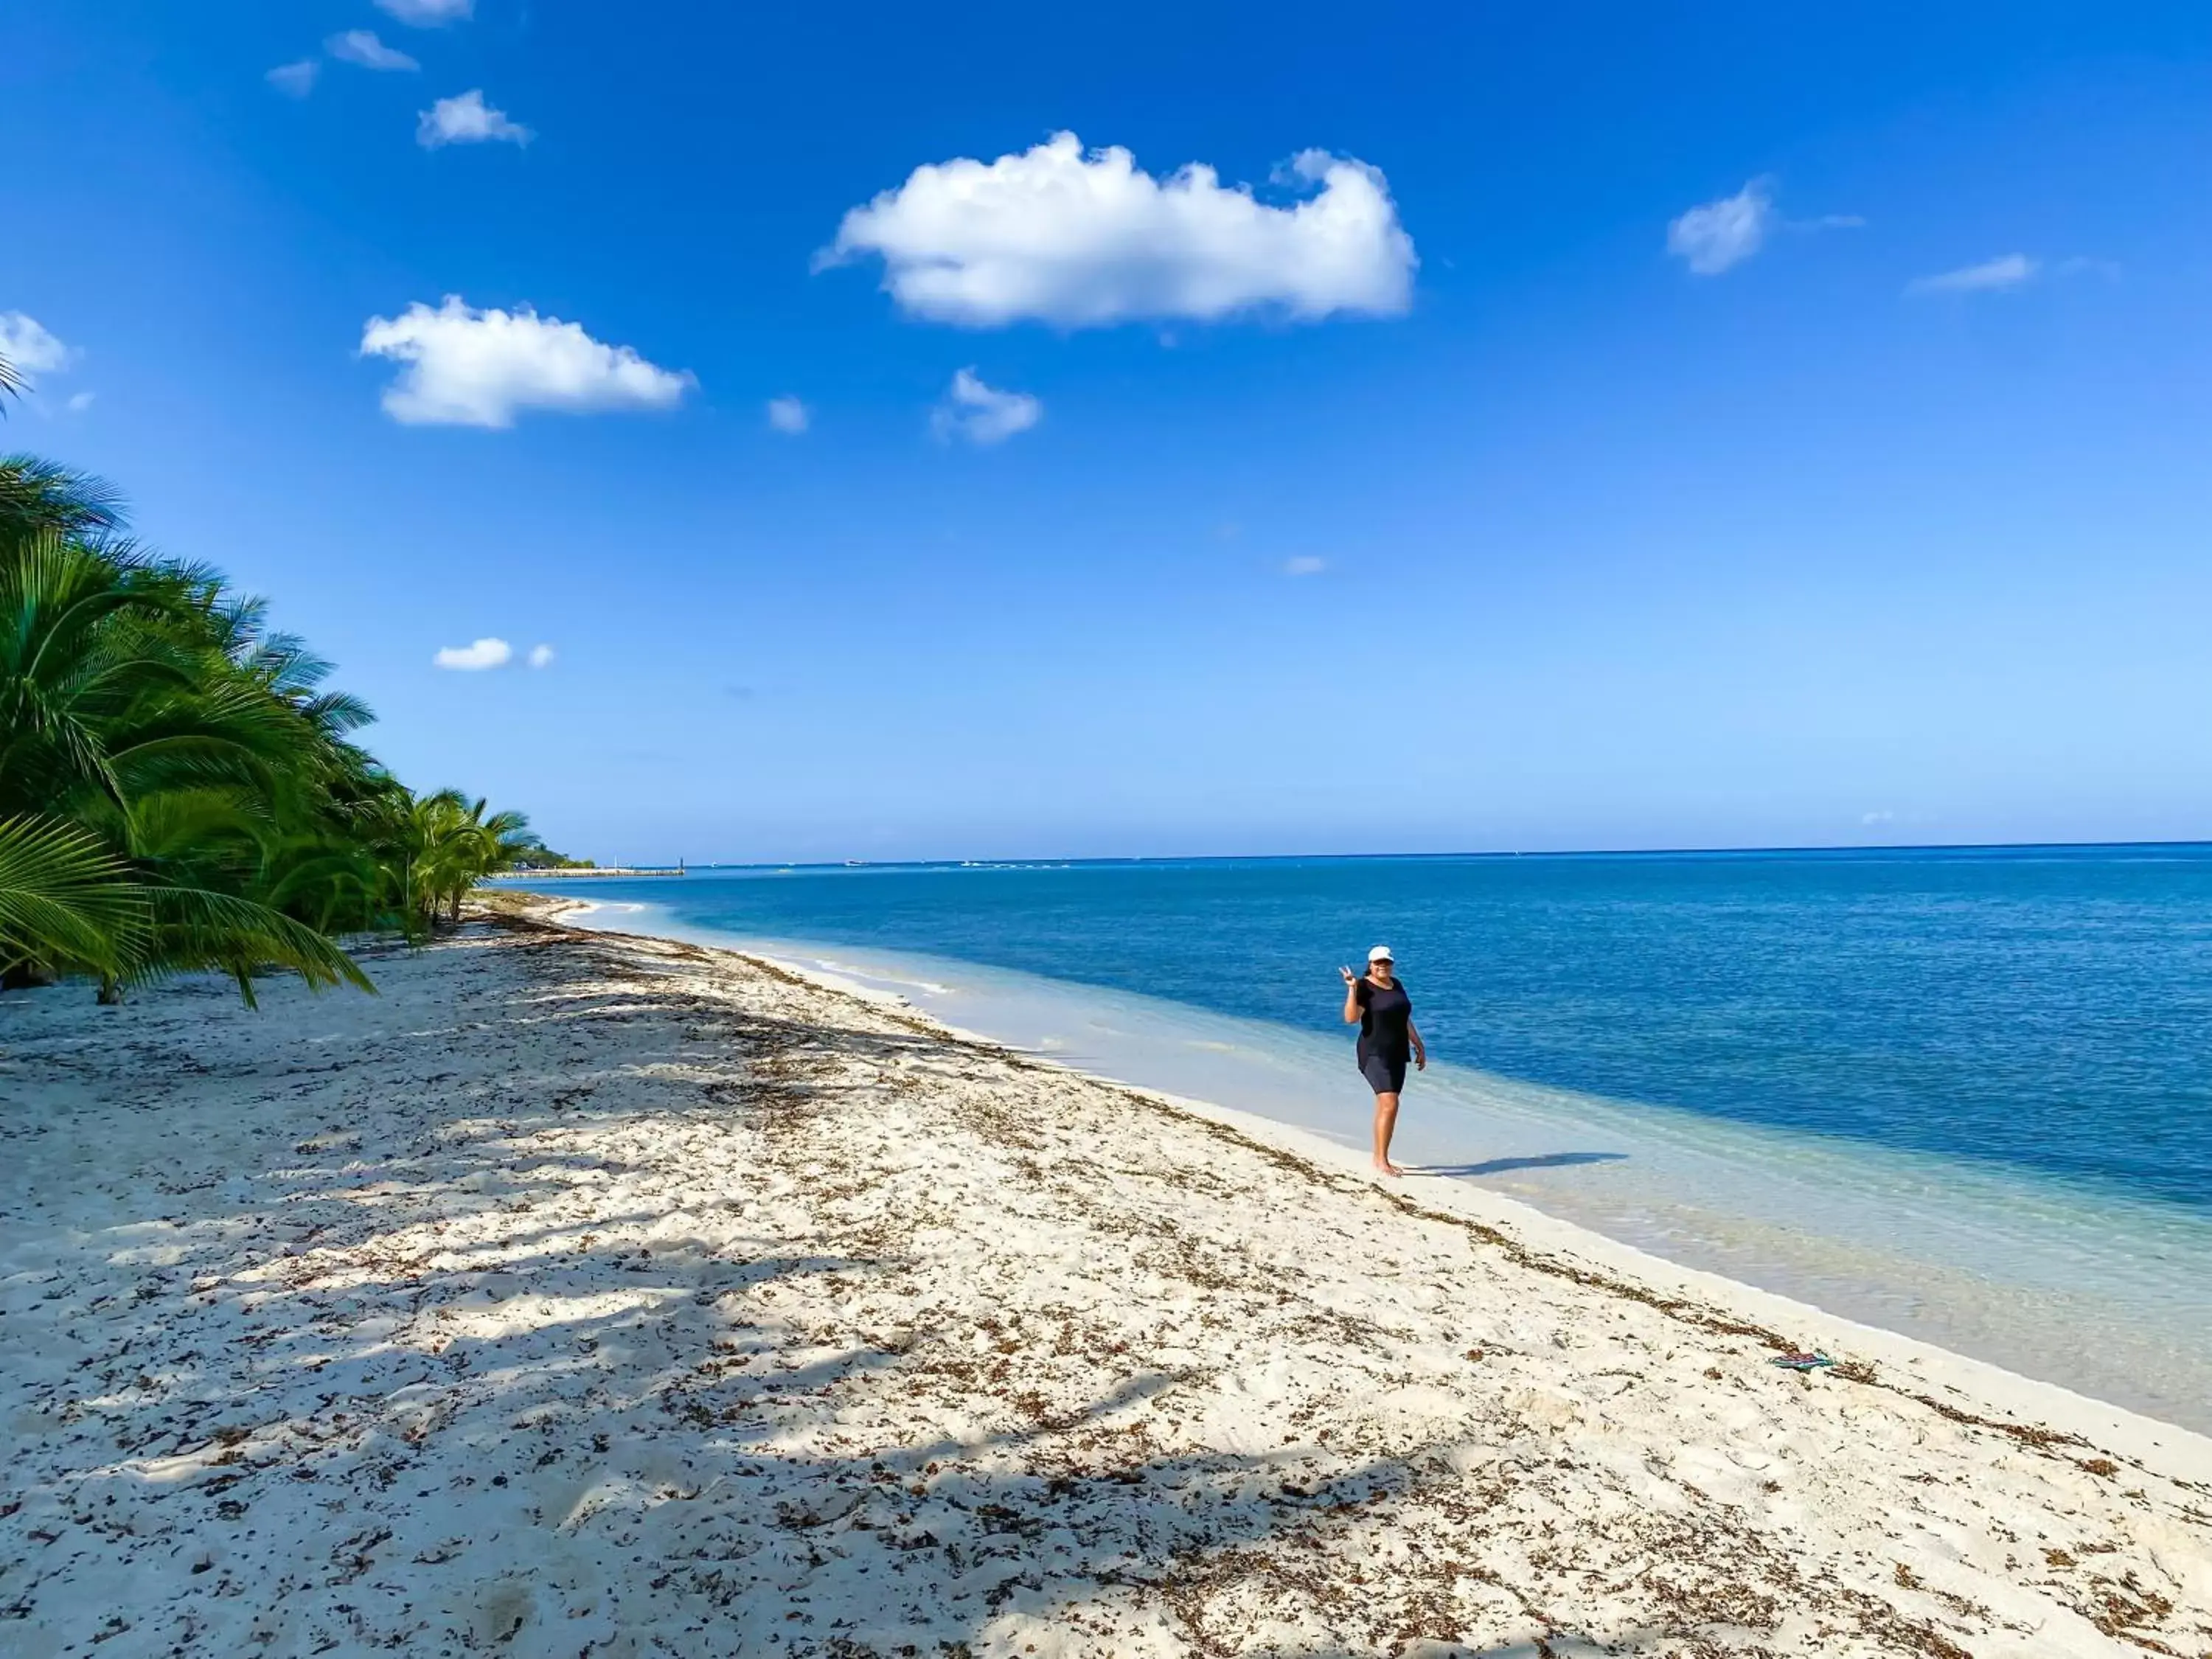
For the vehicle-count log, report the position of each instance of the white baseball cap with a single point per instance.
(1381, 953)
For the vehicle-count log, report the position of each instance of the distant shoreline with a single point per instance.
(610, 870)
(2198, 848)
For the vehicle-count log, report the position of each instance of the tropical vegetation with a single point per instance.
(542, 857)
(178, 789)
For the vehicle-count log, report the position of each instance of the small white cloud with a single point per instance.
(1083, 238)
(470, 367)
(294, 79)
(983, 414)
(787, 414)
(1305, 564)
(32, 347)
(1991, 276)
(467, 119)
(360, 47)
(470, 659)
(427, 13)
(1712, 238)
(540, 655)
(1871, 818)
(79, 402)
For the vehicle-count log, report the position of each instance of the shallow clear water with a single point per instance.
(1960, 1094)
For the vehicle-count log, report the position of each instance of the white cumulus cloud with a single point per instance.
(294, 79)
(983, 414)
(79, 401)
(787, 414)
(1712, 238)
(540, 655)
(481, 654)
(467, 119)
(32, 347)
(2006, 270)
(468, 367)
(1085, 239)
(427, 13)
(360, 47)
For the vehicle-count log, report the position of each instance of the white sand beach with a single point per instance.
(590, 1296)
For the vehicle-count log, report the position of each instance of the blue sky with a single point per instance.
(1632, 426)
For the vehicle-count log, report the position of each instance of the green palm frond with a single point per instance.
(179, 828)
(66, 901)
(334, 713)
(36, 494)
(195, 929)
(337, 887)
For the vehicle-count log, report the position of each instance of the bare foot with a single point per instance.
(1384, 1166)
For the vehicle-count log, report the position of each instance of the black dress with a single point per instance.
(1385, 1039)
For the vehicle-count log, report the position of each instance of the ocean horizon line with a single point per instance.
(1501, 854)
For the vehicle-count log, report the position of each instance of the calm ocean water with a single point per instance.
(1967, 1093)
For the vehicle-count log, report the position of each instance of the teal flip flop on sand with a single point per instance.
(1801, 1362)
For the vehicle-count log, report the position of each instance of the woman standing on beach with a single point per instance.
(1376, 1002)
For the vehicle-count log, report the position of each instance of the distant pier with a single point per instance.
(572, 871)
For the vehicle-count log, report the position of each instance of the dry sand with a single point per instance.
(584, 1296)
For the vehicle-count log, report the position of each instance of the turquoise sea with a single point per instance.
(1965, 1094)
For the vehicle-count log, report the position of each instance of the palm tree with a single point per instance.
(452, 845)
(202, 854)
(502, 840)
(37, 495)
(62, 893)
(124, 727)
(178, 789)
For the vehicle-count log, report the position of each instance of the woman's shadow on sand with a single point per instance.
(1503, 1165)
